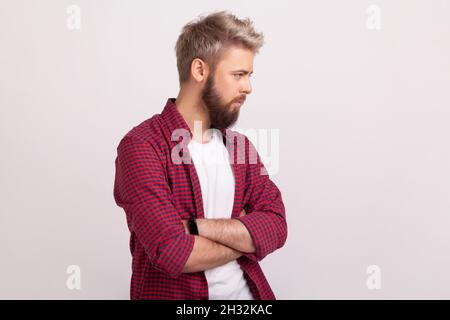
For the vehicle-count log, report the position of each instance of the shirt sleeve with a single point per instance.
(265, 216)
(142, 190)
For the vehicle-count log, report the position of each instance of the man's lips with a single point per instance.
(240, 101)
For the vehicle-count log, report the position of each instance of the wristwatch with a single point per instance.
(193, 226)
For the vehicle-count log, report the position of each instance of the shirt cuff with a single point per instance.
(174, 256)
(255, 226)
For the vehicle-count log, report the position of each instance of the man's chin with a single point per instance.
(231, 116)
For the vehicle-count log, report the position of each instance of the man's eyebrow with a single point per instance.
(243, 71)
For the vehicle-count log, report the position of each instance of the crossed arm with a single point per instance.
(219, 242)
(142, 190)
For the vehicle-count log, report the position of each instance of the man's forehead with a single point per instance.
(238, 59)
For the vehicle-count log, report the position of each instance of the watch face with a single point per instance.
(193, 226)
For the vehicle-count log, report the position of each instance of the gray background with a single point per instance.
(363, 116)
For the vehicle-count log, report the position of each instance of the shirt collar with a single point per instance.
(173, 117)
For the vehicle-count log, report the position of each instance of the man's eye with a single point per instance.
(238, 75)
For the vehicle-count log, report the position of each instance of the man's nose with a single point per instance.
(247, 88)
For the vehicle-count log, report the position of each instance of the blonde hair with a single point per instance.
(209, 36)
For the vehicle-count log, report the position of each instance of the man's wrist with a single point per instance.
(200, 226)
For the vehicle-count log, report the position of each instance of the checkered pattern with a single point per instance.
(156, 193)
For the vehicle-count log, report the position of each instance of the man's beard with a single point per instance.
(222, 115)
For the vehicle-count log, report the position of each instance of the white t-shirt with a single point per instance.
(211, 161)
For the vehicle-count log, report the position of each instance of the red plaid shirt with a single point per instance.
(156, 193)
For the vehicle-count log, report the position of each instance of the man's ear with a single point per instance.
(199, 70)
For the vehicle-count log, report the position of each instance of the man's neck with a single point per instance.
(193, 109)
